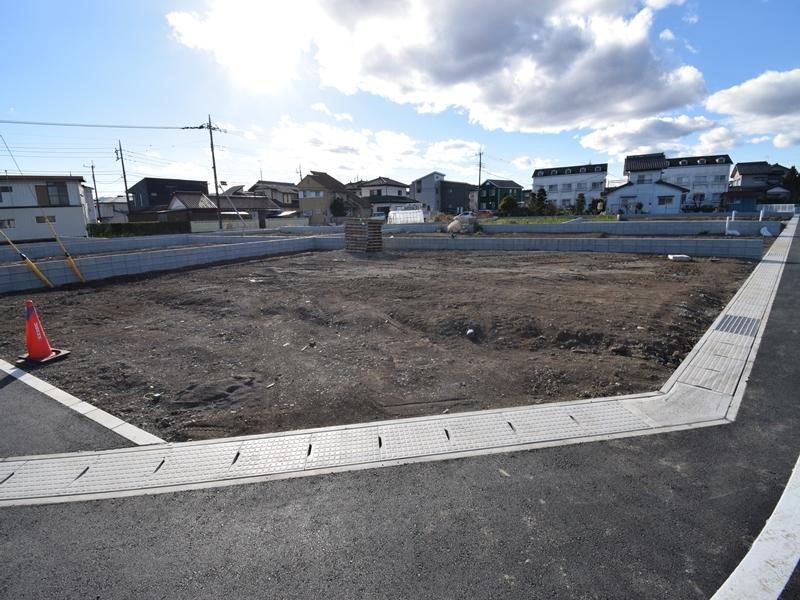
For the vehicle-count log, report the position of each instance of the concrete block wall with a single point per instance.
(641, 228)
(82, 246)
(729, 248)
(17, 277)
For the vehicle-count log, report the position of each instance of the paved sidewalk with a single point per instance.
(32, 423)
(665, 516)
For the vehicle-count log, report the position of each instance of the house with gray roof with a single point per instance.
(493, 191)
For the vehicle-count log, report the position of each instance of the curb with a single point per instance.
(122, 428)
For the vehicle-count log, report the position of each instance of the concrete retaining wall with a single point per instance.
(17, 277)
(641, 227)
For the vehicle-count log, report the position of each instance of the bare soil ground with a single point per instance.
(324, 338)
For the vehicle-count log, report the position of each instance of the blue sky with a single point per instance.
(361, 88)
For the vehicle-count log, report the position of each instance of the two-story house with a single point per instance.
(426, 190)
(284, 194)
(563, 184)
(754, 183)
(706, 177)
(316, 192)
(28, 202)
(152, 194)
(493, 191)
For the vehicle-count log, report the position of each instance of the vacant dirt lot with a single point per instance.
(323, 338)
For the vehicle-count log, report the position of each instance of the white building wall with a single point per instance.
(711, 180)
(386, 190)
(562, 190)
(20, 208)
(648, 194)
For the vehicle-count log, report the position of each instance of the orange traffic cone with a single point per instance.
(39, 350)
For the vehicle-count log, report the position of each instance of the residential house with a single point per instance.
(455, 196)
(383, 186)
(113, 209)
(493, 191)
(282, 193)
(653, 197)
(563, 184)
(28, 202)
(152, 194)
(754, 183)
(701, 181)
(426, 191)
(316, 192)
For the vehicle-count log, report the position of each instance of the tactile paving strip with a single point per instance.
(713, 369)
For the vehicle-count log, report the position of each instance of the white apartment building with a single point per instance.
(663, 185)
(563, 184)
(28, 202)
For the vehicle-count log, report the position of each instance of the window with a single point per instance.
(682, 180)
(399, 192)
(566, 187)
(552, 187)
(720, 161)
(644, 179)
(419, 186)
(597, 185)
(597, 169)
(553, 172)
(665, 200)
(46, 218)
(583, 169)
(540, 174)
(719, 178)
(581, 187)
(4, 189)
(701, 161)
(683, 162)
(716, 199)
(7, 223)
(700, 179)
(52, 194)
(568, 171)
(698, 198)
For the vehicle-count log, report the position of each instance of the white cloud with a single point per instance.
(714, 141)
(530, 163)
(767, 104)
(348, 153)
(689, 47)
(666, 35)
(690, 16)
(640, 136)
(661, 4)
(760, 139)
(323, 108)
(541, 75)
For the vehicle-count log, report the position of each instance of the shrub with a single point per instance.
(133, 229)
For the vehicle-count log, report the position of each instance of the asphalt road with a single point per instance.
(32, 423)
(666, 516)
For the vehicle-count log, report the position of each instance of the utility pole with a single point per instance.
(299, 171)
(214, 168)
(96, 194)
(480, 166)
(121, 158)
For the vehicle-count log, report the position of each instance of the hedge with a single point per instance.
(133, 229)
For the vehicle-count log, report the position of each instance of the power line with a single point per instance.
(101, 125)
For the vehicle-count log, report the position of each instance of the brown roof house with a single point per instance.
(316, 192)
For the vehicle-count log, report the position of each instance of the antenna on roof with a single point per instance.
(299, 171)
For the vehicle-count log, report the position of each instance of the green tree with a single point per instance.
(791, 181)
(338, 208)
(539, 202)
(580, 204)
(508, 205)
